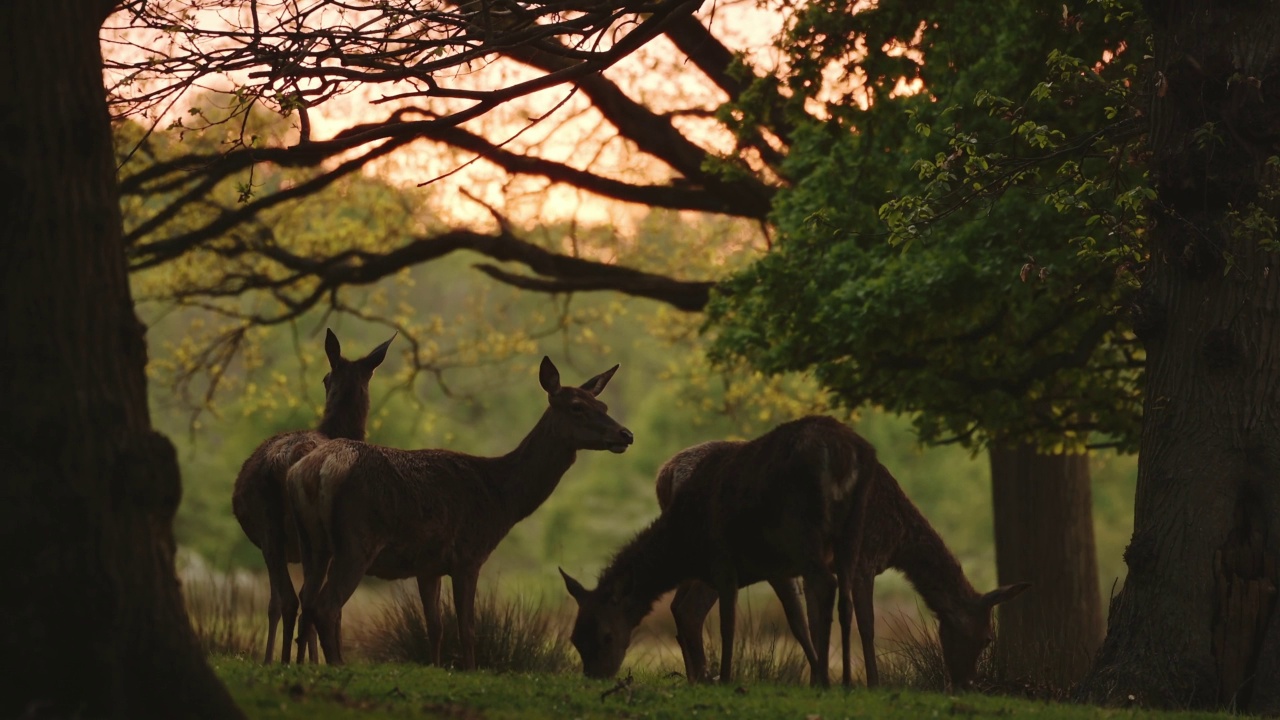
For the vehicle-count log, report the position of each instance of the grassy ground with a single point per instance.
(411, 691)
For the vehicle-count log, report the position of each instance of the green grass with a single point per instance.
(411, 691)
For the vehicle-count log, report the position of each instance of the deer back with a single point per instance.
(795, 488)
(424, 507)
(679, 468)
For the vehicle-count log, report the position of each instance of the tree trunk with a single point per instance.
(1043, 511)
(1195, 624)
(91, 618)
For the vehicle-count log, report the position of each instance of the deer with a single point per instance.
(895, 535)
(786, 504)
(368, 510)
(258, 499)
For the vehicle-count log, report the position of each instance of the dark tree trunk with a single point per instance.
(91, 618)
(1195, 624)
(1043, 512)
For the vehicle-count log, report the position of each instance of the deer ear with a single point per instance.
(1003, 593)
(596, 384)
(376, 356)
(573, 586)
(548, 375)
(332, 348)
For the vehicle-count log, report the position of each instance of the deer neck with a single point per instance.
(658, 559)
(532, 471)
(344, 422)
(925, 560)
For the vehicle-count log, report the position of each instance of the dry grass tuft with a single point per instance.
(227, 610)
(914, 659)
(764, 652)
(915, 662)
(512, 635)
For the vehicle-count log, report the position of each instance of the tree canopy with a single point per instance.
(983, 309)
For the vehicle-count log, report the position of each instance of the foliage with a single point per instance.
(512, 634)
(399, 691)
(925, 261)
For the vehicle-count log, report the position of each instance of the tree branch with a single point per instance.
(689, 296)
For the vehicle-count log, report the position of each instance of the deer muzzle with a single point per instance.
(626, 438)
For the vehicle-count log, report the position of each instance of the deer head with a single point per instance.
(575, 414)
(602, 631)
(966, 633)
(346, 388)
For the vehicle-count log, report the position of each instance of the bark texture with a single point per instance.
(1195, 624)
(1043, 511)
(91, 618)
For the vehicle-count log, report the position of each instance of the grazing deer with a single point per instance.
(786, 504)
(363, 509)
(259, 500)
(895, 535)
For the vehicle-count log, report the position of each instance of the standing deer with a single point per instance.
(895, 535)
(786, 504)
(259, 501)
(364, 509)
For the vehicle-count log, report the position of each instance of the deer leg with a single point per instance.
(429, 593)
(819, 594)
(864, 610)
(284, 601)
(846, 635)
(789, 595)
(464, 606)
(728, 598)
(313, 570)
(289, 605)
(273, 617)
(689, 607)
(273, 612)
(351, 558)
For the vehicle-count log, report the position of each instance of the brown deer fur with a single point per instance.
(895, 535)
(786, 504)
(259, 500)
(428, 513)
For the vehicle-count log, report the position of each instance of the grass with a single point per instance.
(412, 691)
